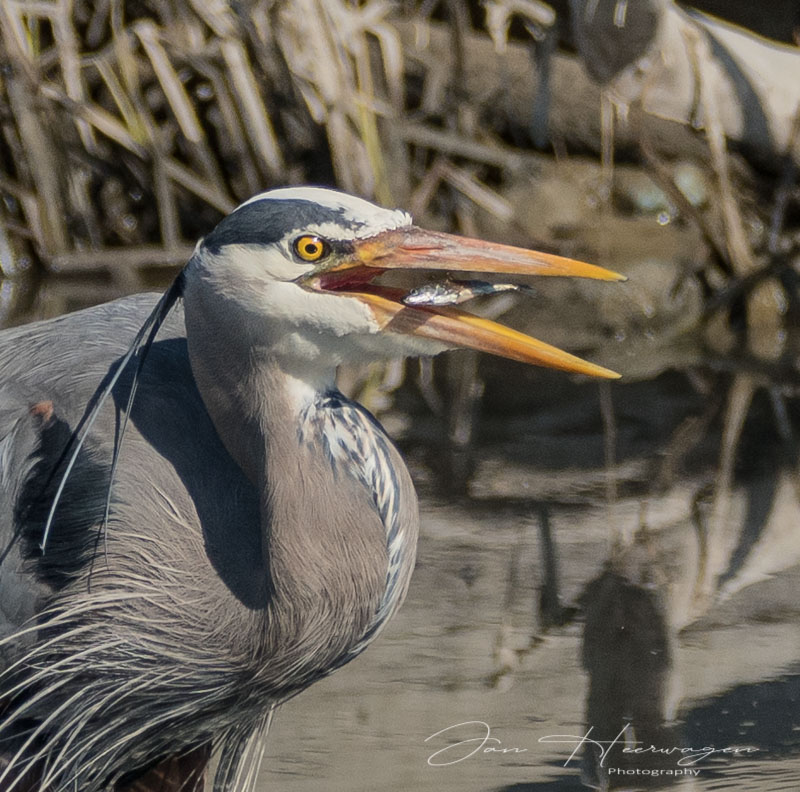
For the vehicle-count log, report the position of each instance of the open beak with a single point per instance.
(413, 248)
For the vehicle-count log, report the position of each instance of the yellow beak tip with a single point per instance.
(599, 372)
(615, 277)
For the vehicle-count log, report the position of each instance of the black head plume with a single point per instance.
(139, 348)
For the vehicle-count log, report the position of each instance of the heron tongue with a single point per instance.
(456, 328)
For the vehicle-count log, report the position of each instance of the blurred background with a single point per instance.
(623, 557)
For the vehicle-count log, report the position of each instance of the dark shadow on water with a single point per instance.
(765, 715)
(560, 784)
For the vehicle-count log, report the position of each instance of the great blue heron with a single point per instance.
(262, 527)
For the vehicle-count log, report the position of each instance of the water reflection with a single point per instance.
(718, 514)
(683, 558)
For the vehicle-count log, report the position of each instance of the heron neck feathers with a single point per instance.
(324, 540)
(338, 510)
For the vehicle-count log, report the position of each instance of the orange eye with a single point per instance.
(311, 248)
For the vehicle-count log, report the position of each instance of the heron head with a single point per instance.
(298, 270)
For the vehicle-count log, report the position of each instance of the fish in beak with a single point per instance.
(412, 248)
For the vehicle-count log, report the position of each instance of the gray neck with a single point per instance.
(324, 552)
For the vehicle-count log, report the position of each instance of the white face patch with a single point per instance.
(243, 276)
(253, 266)
(365, 218)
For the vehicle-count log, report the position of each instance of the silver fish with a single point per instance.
(452, 292)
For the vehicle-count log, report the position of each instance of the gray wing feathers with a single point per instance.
(48, 365)
(21, 594)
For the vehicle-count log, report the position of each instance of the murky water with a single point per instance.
(620, 571)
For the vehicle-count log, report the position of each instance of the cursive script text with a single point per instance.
(481, 742)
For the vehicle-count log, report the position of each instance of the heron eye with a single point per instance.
(311, 248)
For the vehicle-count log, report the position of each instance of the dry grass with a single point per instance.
(135, 125)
